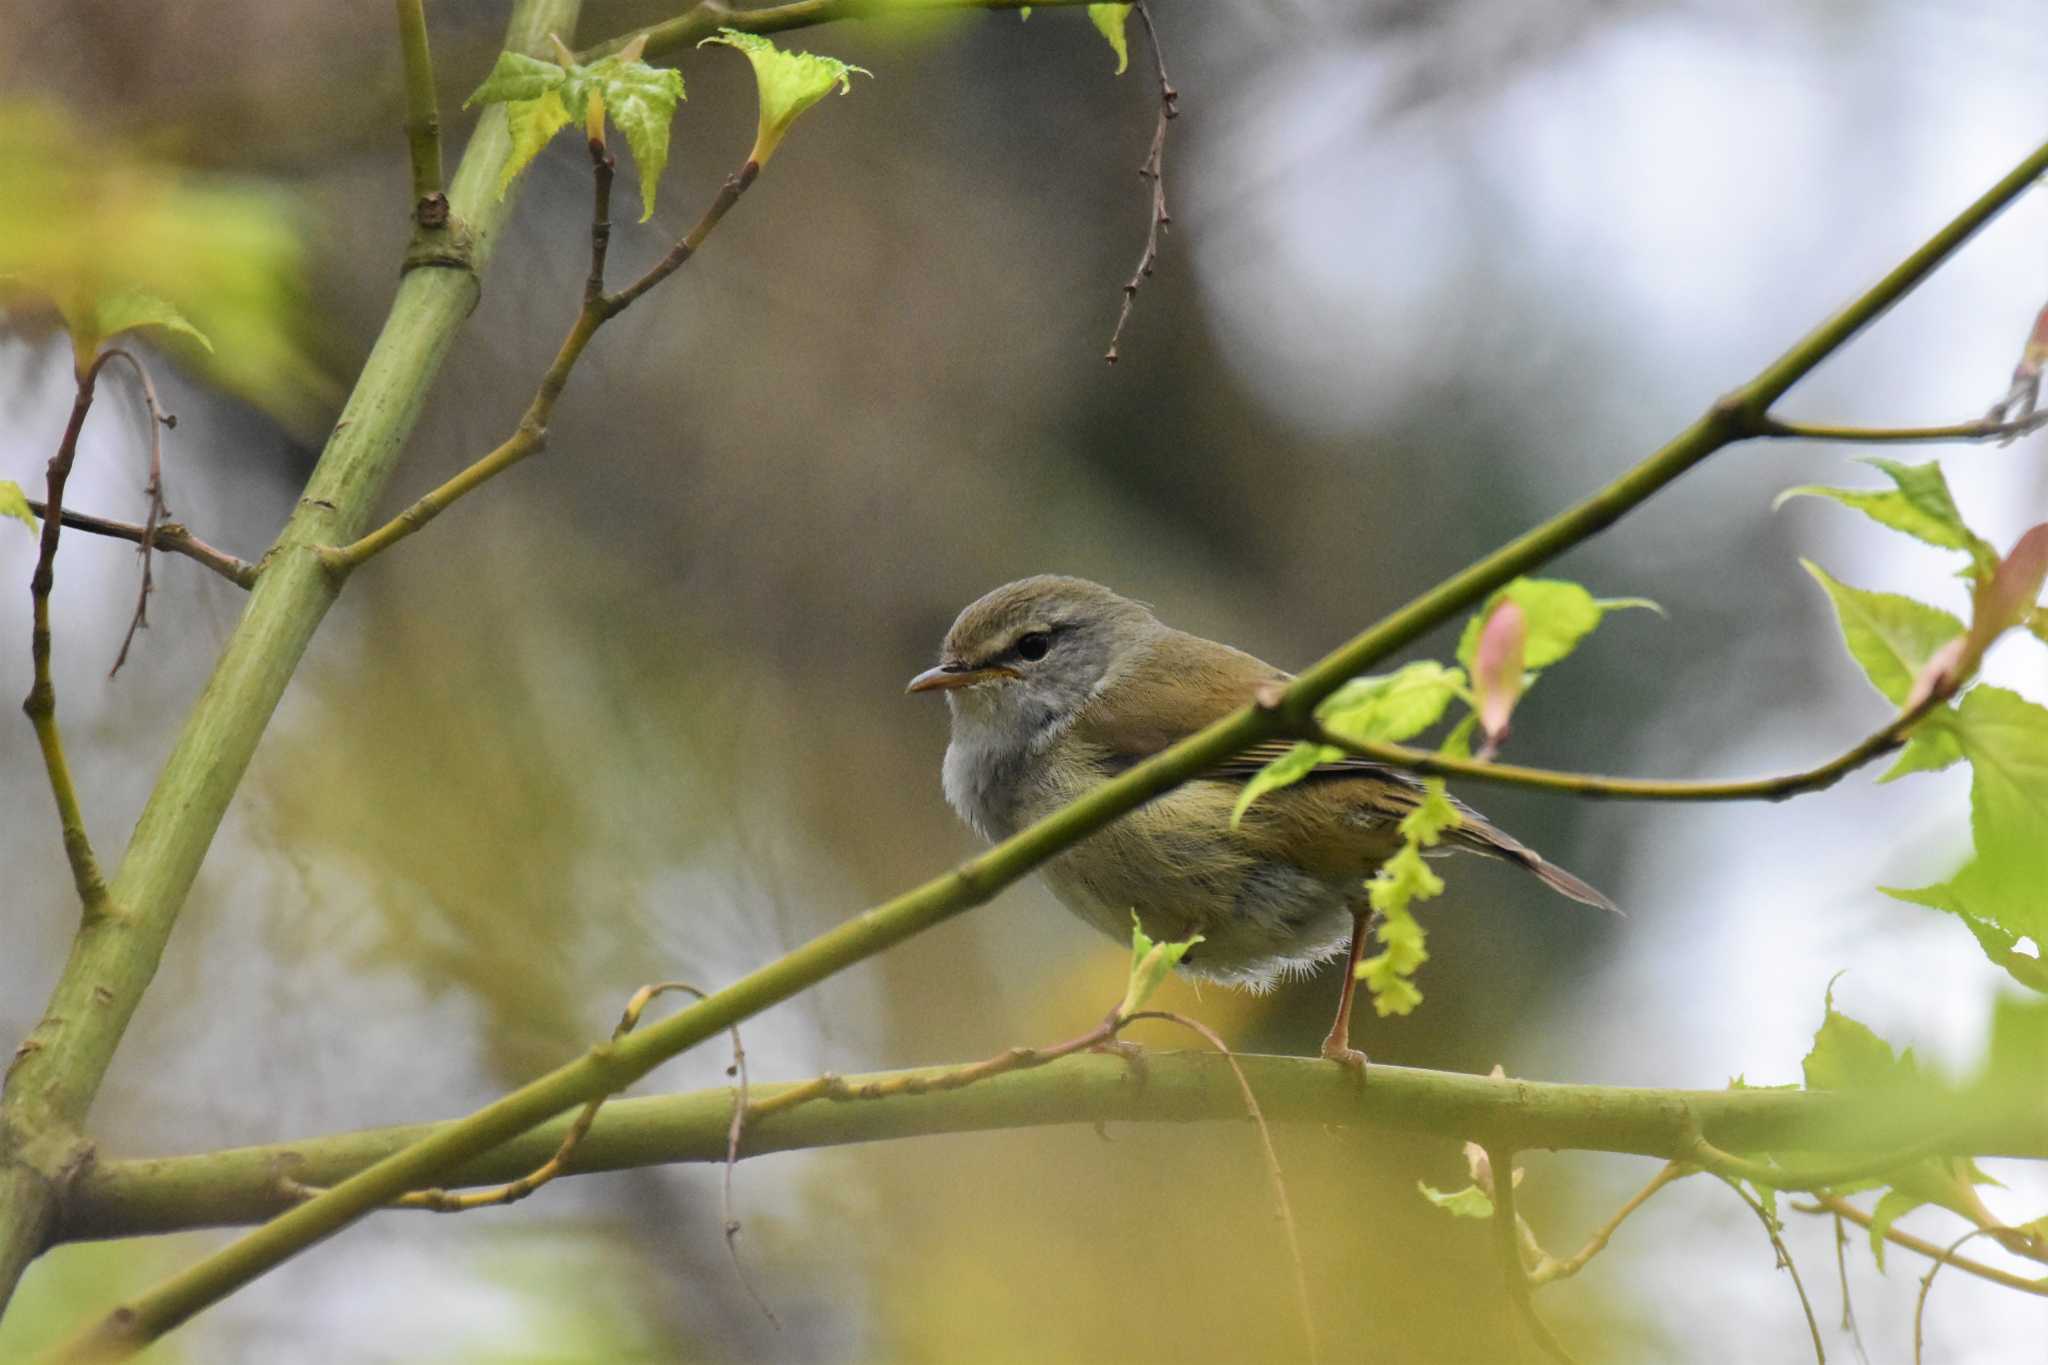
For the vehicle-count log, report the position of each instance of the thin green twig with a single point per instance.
(422, 117)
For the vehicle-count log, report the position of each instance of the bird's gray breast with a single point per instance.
(983, 780)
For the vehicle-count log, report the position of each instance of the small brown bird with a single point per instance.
(1057, 684)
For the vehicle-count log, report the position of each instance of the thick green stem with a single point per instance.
(120, 1198)
(113, 958)
(614, 1066)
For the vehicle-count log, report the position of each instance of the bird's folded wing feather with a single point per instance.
(1184, 683)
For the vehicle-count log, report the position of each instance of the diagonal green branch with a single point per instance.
(613, 1066)
(123, 1198)
(58, 1070)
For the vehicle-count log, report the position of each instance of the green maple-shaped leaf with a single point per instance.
(788, 82)
(541, 98)
(641, 101)
(2005, 737)
(1891, 636)
(1920, 505)
(14, 503)
(1109, 22)
(517, 78)
(533, 124)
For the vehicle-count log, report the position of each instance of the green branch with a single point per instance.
(702, 20)
(422, 117)
(613, 1066)
(59, 1067)
(171, 537)
(1984, 429)
(124, 1198)
(1595, 787)
(41, 703)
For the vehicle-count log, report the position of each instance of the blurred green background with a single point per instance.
(635, 711)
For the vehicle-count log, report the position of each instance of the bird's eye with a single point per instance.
(1032, 647)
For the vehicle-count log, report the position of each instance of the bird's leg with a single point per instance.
(1337, 1047)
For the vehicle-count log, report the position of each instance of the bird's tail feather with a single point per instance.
(1483, 837)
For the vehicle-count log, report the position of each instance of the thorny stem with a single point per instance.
(41, 702)
(531, 435)
(171, 538)
(1731, 419)
(1154, 171)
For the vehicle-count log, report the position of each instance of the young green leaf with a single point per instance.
(1283, 771)
(641, 102)
(533, 124)
(2005, 737)
(788, 82)
(1930, 747)
(1889, 635)
(517, 79)
(13, 503)
(1847, 1055)
(1151, 964)
(1109, 22)
(542, 98)
(1920, 505)
(1391, 707)
(130, 309)
(1560, 614)
(1470, 1202)
(1891, 1206)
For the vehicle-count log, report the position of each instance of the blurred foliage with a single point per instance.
(114, 237)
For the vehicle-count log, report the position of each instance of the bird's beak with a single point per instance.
(946, 677)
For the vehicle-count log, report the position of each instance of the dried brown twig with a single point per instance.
(154, 491)
(1153, 170)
